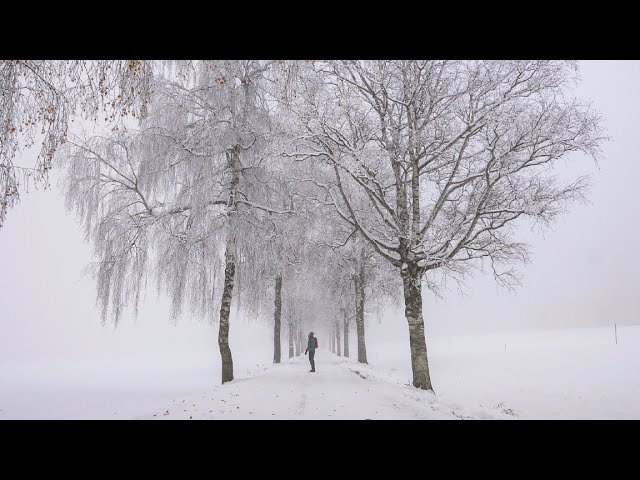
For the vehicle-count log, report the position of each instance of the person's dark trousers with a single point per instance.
(312, 353)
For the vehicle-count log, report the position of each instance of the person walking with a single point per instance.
(312, 344)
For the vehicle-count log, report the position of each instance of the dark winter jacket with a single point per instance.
(311, 344)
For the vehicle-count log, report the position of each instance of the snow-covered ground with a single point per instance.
(557, 374)
(339, 389)
(126, 376)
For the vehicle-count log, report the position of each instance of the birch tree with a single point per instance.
(435, 163)
(357, 274)
(345, 330)
(177, 198)
(289, 246)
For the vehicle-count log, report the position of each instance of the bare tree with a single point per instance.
(290, 324)
(286, 242)
(433, 162)
(345, 329)
(332, 336)
(277, 320)
(355, 270)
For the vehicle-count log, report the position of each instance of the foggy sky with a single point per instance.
(584, 271)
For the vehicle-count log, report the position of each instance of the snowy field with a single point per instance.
(556, 374)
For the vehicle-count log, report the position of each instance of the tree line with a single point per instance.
(313, 191)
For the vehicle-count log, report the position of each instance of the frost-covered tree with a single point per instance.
(357, 273)
(271, 249)
(435, 162)
(179, 199)
(301, 307)
(346, 265)
(277, 321)
(290, 248)
(40, 99)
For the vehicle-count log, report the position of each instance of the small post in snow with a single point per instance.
(505, 347)
(615, 329)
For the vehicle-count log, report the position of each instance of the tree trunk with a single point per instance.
(225, 308)
(345, 328)
(300, 340)
(359, 284)
(338, 341)
(412, 282)
(296, 341)
(277, 320)
(333, 342)
(290, 340)
(233, 156)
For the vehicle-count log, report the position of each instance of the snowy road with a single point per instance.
(339, 389)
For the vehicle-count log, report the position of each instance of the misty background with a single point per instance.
(583, 273)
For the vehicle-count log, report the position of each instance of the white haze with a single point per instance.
(584, 273)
